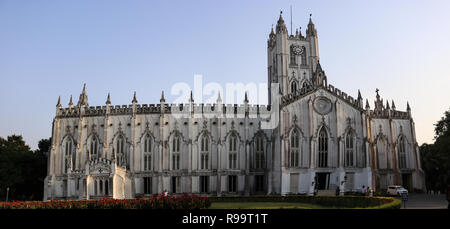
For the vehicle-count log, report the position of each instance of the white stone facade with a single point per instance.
(311, 136)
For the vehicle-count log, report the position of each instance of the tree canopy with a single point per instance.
(21, 169)
(435, 157)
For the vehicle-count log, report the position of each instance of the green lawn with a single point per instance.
(264, 205)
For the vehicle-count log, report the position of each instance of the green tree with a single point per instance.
(435, 157)
(21, 169)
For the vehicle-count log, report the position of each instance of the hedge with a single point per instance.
(326, 201)
(155, 202)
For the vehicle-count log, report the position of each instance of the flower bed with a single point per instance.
(154, 202)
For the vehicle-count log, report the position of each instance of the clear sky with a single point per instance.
(50, 48)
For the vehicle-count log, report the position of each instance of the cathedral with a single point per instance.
(310, 137)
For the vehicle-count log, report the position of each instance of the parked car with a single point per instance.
(396, 190)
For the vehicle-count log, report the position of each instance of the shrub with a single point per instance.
(327, 201)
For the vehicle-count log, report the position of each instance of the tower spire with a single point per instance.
(246, 98)
(311, 30)
(281, 26)
(393, 105)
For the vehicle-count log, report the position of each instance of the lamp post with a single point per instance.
(7, 193)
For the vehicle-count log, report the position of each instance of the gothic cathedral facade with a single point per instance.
(311, 136)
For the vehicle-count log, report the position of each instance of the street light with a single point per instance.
(7, 193)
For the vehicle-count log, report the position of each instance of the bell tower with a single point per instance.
(291, 59)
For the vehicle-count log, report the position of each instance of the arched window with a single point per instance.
(349, 146)
(204, 153)
(147, 153)
(259, 155)
(232, 161)
(176, 152)
(293, 87)
(293, 58)
(381, 154)
(69, 156)
(402, 153)
(106, 188)
(323, 148)
(295, 148)
(305, 86)
(120, 150)
(93, 148)
(101, 187)
(303, 56)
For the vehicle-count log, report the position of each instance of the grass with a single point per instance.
(264, 205)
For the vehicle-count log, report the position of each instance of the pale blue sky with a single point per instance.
(50, 48)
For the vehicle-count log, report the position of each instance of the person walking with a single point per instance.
(363, 190)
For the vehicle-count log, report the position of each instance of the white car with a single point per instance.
(396, 190)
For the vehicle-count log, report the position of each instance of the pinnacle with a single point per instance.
(108, 99)
(134, 98)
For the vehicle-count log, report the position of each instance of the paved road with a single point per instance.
(426, 201)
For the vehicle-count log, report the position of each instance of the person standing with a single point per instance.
(363, 190)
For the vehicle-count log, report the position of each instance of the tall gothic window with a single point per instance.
(323, 148)
(176, 152)
(293, 58)
(69, 156)
(204, 153)
(94, 148)
(349, 146)
(293, 87)
(402, 153)
(295, 148)
(259, 155)
(120, 150)
(303, 56)
(147, 153)
(381, 154)
(232, 162)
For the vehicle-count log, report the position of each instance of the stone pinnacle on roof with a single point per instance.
(108, 100)
(134, 98)
(59, 102)
(162, 97)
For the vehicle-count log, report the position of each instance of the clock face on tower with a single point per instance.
(297, 50)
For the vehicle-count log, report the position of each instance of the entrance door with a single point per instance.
(294, 183)
(406, 181)
(323, 180)
(175, 184)
(350, 182)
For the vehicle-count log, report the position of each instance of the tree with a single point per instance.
(21, 169)
(435, 157)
